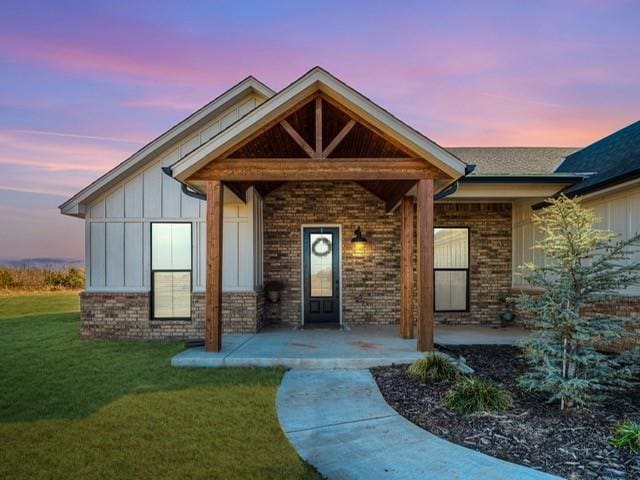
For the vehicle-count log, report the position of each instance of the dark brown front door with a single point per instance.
(321, 269)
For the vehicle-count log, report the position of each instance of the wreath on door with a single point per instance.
(321, 247)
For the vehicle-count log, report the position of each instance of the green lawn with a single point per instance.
(98, 409)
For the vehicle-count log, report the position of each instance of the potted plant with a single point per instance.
(508, 315)
(272, 290)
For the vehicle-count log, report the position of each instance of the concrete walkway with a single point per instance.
(360, 347)
(338, 421)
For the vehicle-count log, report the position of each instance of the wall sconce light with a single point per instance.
(358, 238)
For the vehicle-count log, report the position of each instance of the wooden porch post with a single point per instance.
(213, 325)
(425, 265)
(406, 268)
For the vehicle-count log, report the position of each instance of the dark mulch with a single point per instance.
(532, 432)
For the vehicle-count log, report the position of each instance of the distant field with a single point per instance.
(72, 409)
(47, 278)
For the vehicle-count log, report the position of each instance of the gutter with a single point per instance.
(452, 188)
(185, 188)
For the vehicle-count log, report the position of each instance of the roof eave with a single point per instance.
(242, 88)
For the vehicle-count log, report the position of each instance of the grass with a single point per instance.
(77, 409)
(627, 435)
(433, 367)
(473, 395)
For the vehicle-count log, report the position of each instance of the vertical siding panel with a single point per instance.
(230, 254)
(228, 119)
(153, 192)
(133, 197)
(115, 204)
(98, 278)
(203, 254)
(633, 207)
(618, 217)
(146, 253)
(87, 254)
(190, 206)
(115, 254)
(246, 107)
(133, 254)
(245, 260)
(189, 145)
(195, 263)
(170, 190)
(210, 131)
(97, 209)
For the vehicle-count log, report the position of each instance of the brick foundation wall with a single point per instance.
(490, 258)
(621, 307)
(125, 315)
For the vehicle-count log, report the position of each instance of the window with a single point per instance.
(321, 264)
(171, 270)
(451, 269)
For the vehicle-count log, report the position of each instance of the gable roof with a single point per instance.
(613, 159)
(74, 205)
(314, 80)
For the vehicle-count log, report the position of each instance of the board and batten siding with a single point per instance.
(619, 212)
(118, 224)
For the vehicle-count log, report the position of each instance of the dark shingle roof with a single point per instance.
(512, 160)
(613, 159)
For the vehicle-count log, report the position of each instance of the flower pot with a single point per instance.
(273, 296)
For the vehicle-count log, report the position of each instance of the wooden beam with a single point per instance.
(230, 170)
(370, 126)
(406, 268)
(339, 137)
(255, 134)
(425, 265)
(318, 152)
(298, 139)
(213, 323)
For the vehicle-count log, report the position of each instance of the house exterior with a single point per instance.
(363, 219)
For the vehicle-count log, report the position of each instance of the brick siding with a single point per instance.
(490, 258)
(371, 281)
(125, 315)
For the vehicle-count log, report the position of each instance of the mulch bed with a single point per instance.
(532, 433)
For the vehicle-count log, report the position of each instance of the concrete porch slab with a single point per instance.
(361, 347)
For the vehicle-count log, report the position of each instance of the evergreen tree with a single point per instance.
(585, 268)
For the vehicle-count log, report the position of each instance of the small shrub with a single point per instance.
(627, 435)
(41, 278)
(471, 395)
(434, 367)
(6, 279)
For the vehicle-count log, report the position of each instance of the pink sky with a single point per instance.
(85, 84)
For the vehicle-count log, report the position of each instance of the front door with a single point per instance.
(321, 274)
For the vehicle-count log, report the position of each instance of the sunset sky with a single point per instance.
(84, 84)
